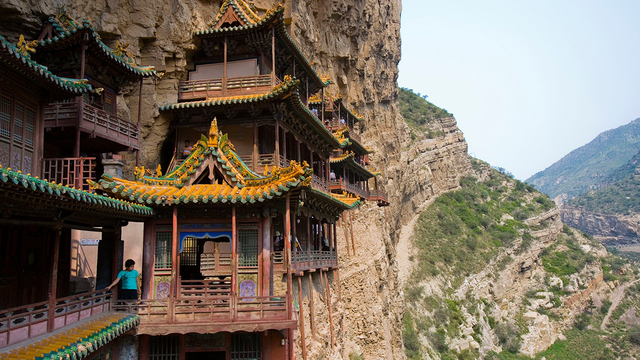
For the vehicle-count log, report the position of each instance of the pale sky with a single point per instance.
(528, 81)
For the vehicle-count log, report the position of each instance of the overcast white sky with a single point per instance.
(528, 81)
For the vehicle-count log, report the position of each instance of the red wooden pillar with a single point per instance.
(174, 263)
(266, 257)
(254, 155)
(351, 226)
(276, 155)
(224, 69)
(312, 311)
(234, 252)
(326, 280)
(148, 260)
(287, 236)
(139, 120)
(53, 279)
(144, 348)
(303, 343)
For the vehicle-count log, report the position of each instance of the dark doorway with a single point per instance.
(210, 355)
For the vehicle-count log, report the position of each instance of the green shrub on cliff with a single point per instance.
(417, 111)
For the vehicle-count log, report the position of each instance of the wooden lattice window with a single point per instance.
(248, 248)
(163, 247)
(17, 133)
(164, 348)
(245, 346)
(189, 254)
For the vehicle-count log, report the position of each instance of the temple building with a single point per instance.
(259, 165)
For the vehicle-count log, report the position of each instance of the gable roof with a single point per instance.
(241, 185)
(252, 22)
(65, 31)
(20, 60)
(347, 159)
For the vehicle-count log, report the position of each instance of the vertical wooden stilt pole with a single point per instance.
(53, 279)
(301, 314)
(312, 311)
(353, 244)
(328, 297)
(346, 234)
(174, 264)
(287, 235)
(234, 257)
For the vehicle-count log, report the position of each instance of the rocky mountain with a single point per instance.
(590, 166)
(357, 43)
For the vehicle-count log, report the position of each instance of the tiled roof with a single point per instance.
(275, 17)
(277, 92)
(8, 176)
(20, 59)
(347, 158)
(343, 133)
(241, 185)
(78, 342)
(66, 29)
(344, 200)
(287, 89)
(315, 100)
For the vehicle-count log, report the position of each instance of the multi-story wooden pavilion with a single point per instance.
(40, 316)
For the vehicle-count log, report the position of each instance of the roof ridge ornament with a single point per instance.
(25, 47)
(214, 133)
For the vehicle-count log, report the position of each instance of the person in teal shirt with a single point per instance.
(130, 279)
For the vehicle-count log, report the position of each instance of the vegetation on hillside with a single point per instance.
(417, 111)
(590, 166)
(481, 228)
(622, 198)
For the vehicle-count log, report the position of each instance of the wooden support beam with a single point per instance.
(234, 257)
(353, 244)
(148, 260)
(287, 236)
(312, 311)
(303, 343)
(326, 280)
(266, 257)
(346, 234)
(53, 279)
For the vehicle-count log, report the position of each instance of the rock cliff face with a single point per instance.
(355, 42)
(611, 229)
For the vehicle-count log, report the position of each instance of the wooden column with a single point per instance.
(326, 280)
(182, 355)
(346, 235)
(287, 236)
(276, 155)
(312, 311)
(53, 278)
(301, 315)
(224, 68)
(353, 244)
(144, 347)
(273, 56)
(309, 237)
(148, 260)
(174, 258)
(266, 257)
(322, 105)
(313, 170)
(254, 155)
(298, 151)
(234, 252)
(284, 143)
(140, 120)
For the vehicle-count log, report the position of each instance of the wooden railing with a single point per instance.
(203, 89)
(305, 260)
(205, 288)
(94, 121)
(341, 184)
(277, 257)
(284, 162)
(379, 196)
(25, 322)
(319, 183)
(207, 310)
(70, 171)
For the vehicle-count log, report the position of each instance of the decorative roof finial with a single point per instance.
(25, 47)
(213, 133)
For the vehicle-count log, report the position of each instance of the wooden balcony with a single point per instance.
(96, 122)
(25, 322)
(316, 259)
(342, 185)
(379, 196)
(207, 311)
(70, 171)
(211, 88)
(319, 183)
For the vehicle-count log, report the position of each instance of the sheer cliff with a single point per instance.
(356, 43)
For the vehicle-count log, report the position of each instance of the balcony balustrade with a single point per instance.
(343, 185)
(379, 196)
(319, 183)
(315, 259)
(96, 122)
(28, 321)
(70, 171)
(210, 88)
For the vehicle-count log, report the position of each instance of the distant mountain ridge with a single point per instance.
(599, 163)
